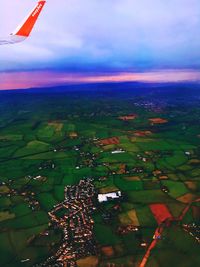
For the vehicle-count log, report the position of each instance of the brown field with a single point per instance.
(132, 178)
(191, 185)
(122, 169)
(158, 121)
(163, 177)
(128, 117)
(107, 251)
(142, 133)
(187, 198)
(110, 141)
(73, 135)
(196, 212)
(56, 125)
(91, 261)
(194, 161)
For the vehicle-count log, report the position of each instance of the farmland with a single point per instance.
(145, 145)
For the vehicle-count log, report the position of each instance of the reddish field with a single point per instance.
(142, 133)
(157, 121)
(128, 117)
(108, 251)
(122, 169)
(110, 141)
(160, 212)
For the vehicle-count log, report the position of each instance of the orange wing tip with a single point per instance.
(27, 26)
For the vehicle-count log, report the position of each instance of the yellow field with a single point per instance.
(56, 125)
(133, 216)
(129, 217)
(4, 189)
(88, 262)
(5, 215)
(108, 189)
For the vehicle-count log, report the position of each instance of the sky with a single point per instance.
(108, 40)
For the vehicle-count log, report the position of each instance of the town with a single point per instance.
(73, 217)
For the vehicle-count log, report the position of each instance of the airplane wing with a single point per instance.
(23, 30)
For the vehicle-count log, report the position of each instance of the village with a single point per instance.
(73, 217)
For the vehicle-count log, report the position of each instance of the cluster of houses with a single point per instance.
(193, 229)
(25, 191)
(73, 217)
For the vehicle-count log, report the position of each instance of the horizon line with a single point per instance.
(46, 79)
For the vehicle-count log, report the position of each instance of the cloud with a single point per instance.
(106, 34)
(23, 80)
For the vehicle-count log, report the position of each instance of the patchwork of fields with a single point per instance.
(152, 157)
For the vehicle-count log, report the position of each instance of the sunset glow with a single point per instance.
(23, 80)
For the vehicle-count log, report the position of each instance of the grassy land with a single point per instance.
(57, 137)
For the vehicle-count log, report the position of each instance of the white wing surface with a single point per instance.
(24, 29)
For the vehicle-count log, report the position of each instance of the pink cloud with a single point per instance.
(23, 80)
